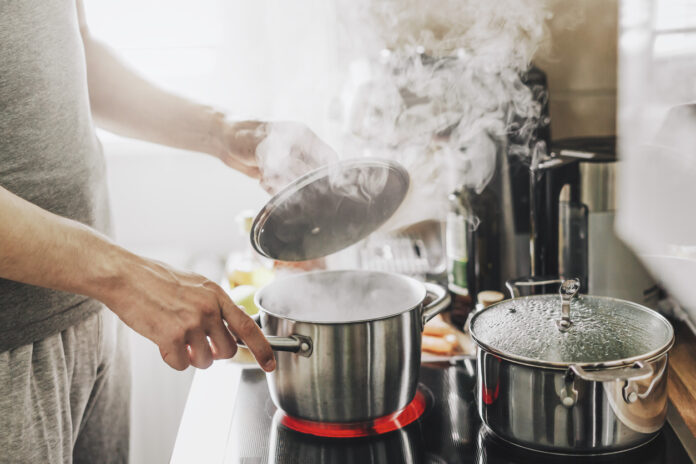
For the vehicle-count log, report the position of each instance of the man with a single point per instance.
(63, 372)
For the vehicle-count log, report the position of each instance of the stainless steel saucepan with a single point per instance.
(347, 343)
(572, 375)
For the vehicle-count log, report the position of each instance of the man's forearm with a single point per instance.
(127, 104)
(186, 315)
(40, 248)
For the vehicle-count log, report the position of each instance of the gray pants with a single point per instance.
(66, 398)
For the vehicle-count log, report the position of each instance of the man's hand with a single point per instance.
(186, 315)
(276, 153)
(189, 317)
(125, 103)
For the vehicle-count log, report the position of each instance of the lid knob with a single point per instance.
(569, 288)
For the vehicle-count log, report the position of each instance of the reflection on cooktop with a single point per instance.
(449, 431)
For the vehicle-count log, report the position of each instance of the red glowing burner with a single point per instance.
(378, 426)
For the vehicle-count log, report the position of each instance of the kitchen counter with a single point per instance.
(206, 420)
(209, 427)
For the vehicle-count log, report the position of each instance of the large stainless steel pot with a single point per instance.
(348, 342)
(590, 381)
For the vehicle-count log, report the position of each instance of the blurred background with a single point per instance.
(250, 60)
(273, 59)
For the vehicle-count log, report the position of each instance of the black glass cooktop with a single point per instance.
(449, 431)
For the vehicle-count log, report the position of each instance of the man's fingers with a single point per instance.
(199, 350)
(176, 356)
(248, 170)
(224, 346)
(246, 329)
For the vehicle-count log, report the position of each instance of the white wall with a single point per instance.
(169, 199)
(179, 208)
(253, 59)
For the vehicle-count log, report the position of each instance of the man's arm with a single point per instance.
(177, 311)
(127, 104)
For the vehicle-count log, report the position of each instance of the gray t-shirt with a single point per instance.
(49, 153)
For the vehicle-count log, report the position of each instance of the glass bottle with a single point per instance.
(456, 233)
(456, 241)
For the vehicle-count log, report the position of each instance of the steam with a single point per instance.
(435, 85)
(340, 296)
(438, 87)
(287, 151)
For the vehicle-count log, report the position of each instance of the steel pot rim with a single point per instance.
(624, 362)
(420, 286)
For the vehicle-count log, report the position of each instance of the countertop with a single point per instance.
(206, 421)
(205, 424)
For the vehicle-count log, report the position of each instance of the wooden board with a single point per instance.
(682, 375)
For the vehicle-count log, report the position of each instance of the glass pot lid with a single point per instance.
(557, 331)
(329, 209)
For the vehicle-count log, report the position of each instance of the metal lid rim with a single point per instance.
(625, 362)
(308, 178)
(564, 365)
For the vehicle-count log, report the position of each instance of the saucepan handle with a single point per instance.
(298, 344)
(440, 301)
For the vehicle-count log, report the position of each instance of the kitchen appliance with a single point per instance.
(349, 342)
(573, 218)
(498, 245)
(572, 375)
(448, 432)
(552, 215)
(531, 221)
(588, 245)
(417, 251)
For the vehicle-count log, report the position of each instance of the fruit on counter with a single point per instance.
(241, 274)
(246, 267)
(243, 295)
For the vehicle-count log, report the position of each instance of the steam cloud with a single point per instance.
(434, 85)
(437, 86)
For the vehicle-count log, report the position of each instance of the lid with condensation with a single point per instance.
(329, 209)
(599, 331)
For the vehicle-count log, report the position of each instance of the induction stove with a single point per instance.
(448, 431)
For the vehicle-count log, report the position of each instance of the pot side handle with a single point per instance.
(627, 375)
(441, 301)
(298, 344)
(638, 371)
